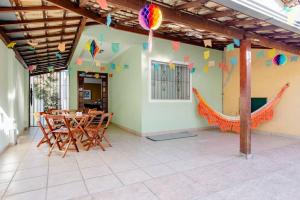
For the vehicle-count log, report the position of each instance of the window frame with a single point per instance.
(150, 83)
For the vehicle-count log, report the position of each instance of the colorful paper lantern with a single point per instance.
(94, 49)
(150, 18)
(280, 59)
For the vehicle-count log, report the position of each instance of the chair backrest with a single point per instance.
(37, 117)
(61, 119)
(105, 120)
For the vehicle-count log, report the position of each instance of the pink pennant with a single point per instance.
(79, 61)
(31, 68)
(186, 59)
(223, 66)
(190, 65)
(175, 46)
(102, 4)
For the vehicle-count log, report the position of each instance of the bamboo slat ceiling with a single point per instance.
(50, 22)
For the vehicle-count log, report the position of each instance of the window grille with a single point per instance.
(170, 84)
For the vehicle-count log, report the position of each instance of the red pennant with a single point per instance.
(102, 4)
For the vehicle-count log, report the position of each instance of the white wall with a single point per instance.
(13, 96)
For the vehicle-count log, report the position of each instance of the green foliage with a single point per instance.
(47, 92)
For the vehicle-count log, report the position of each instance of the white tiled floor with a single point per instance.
(206, 167)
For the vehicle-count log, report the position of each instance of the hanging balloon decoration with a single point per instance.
(150, 18)
(280, 59)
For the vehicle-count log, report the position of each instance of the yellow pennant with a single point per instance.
(172, 66)
(97, 76)
(11, 45)
(206, 55)
(205, 69)
(119, 68)
(271, 53)
(62, 47)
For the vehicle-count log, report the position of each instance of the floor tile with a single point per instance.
(31, 173)
(133, 176)
(131, 192)
(103, 183)
(67, 191)
(37, 194)
(64, 177)
(92, 172)
(158, 170)
(175, 187)
(27, 185)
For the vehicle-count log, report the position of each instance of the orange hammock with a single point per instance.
(230, 123)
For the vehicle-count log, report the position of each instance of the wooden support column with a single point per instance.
(245, 97)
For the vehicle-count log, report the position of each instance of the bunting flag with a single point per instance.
(211, 63)
(175, 46)
(271, 53)
(31, 48)
(102, 4)
(230, 47)
(206, 55)
(62, 47)
(87, 45)
(260, 54)
(79, 61)
(101, 38)
(115, 47)
(32, 44)
(11, 45)
(94, 49)
(193, 70)
(58, 55)
(119, 68)
(145, 46)
(207, 43)
(102, 69)
(190, 65)
(110, 75)
(51, 69)
(269, 63)
(294, 58)
(108, 20)
(223, 66)
(186, 59)
(205, 68)
(233, 61)
(31, 68)
(113, 66)
(126, 66)
(236, 42)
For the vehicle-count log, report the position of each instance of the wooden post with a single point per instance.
(245, 97)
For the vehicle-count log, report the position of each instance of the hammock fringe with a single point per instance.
(231, 124)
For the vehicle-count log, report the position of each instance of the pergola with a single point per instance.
(189, 21)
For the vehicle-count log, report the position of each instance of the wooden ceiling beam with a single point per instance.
(192, 4)
(27, 9)
(82, 3)
(44, 53)
(44, 43)
(242, 22)
(42, 36)
(72, 7)
(219, 14)
(29, 30)
(198, 22)
(50, 47)
(42, 58)
(77, 38)
(62, 61)
(34, 21)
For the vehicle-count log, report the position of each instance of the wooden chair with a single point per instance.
(63, 136)
(98, 133)
(47, 134)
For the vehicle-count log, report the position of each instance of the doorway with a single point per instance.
(92, 91)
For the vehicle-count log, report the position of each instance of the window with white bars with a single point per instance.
(170, 84)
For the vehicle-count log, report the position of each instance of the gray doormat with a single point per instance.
(171, 136)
